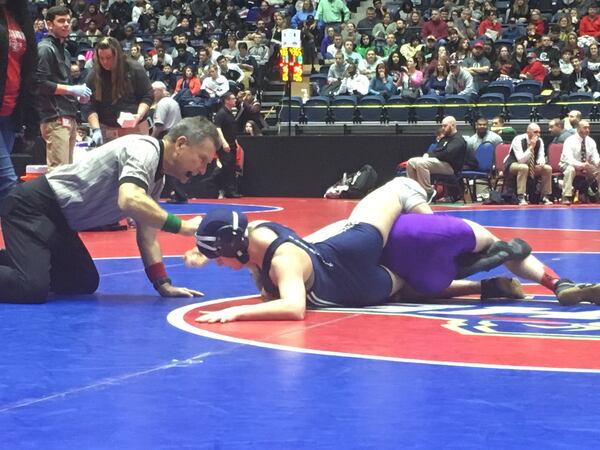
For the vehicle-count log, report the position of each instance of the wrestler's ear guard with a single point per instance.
(222, 232)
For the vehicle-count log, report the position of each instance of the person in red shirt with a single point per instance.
(189, 81)
(536, 19)
(18, 50)
(590, 25)
(490, 22)
(534, 70)
(435, 26)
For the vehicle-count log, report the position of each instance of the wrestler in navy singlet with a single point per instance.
(422, 249)
(346, 266)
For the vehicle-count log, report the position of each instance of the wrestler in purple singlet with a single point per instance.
(422, 249)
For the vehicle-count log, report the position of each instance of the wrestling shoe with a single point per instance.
(569, 293)
(501, 287)
(497, 254)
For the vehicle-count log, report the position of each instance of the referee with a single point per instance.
(123, 178)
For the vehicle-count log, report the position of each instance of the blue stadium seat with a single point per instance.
(320, 79)
(504, 43)
(427, 108)
(485, 170)
(370, 108)
(398, 109)
(515, 109)
(490, 105)
(291, 110)
(550, 110)
(316, 109)
(502, 6)
(581, 101)
(147, 45)
(500, 87)
(343, 108)
(457, 106)
(253, 14)
(532, 86)
(194, 110)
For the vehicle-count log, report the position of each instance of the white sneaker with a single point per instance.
(522, 201)
(546, 200)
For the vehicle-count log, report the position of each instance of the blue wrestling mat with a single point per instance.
(125, 369)
(555, 218)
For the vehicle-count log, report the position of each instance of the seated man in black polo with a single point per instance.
(448, 157)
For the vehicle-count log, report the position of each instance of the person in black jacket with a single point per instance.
(57, 98)
(18, 51)
(447, 158)
(227, 128)
(556, 84)
(582, 79)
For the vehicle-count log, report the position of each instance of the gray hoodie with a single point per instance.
(462, 84)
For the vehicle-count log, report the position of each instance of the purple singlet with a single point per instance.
(422, 249)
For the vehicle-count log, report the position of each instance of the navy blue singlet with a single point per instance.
(346, 266)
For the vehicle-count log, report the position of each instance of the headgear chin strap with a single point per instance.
(228, 240)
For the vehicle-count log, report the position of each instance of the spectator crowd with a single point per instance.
(218, 55)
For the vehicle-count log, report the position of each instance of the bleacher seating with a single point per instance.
(426, 108)
(343, 108)
(370, 108)
(519, 105)
(291, 110)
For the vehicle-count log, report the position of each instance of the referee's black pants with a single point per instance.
(42, 253)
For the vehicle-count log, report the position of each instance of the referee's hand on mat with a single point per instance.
(168, 290)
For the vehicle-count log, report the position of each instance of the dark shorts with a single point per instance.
(349, 273)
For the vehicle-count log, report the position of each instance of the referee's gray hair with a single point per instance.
(195, 129)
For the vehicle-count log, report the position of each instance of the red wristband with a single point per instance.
(156, 272)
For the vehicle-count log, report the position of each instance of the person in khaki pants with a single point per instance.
(57, 100)
(579, 157)
(527, 159)
(447, 158)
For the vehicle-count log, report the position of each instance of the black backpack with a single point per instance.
(354, 185)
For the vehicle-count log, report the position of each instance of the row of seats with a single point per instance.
(374, 108)
(504, 87)
(490, 171)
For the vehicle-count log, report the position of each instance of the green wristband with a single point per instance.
(172, 224)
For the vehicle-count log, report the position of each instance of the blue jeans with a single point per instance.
(8, 177)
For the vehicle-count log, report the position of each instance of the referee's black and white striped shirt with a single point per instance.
(87, 191)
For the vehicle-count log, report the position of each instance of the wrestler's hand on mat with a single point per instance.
(190, 226)
(168, 290)
(193, 258)
(223, 316)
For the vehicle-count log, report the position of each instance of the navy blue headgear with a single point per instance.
(222, 232)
